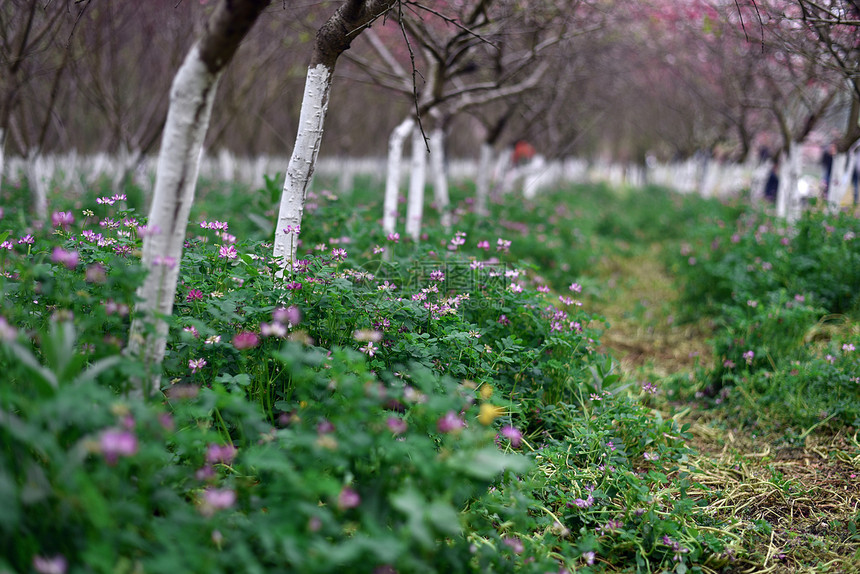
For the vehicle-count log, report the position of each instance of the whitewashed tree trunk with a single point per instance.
(837, 184)
(787, 202)
(191, 100)
(2, 154)
(302, 162)
(482, 180)
(392, 177)
(333, 38)
(346, 181)
(191, 96)
(440, 177)
(844, 165)
(37, 179)
(417, 180)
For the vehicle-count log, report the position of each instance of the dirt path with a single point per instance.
(793, 502)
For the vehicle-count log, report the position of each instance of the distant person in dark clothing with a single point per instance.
(827, 166)
(771, 186)
(855, 175)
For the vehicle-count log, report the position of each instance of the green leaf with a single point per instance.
(45, 380)
(488, 463)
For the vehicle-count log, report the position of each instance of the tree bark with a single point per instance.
(2, 154)
(417, 180)
(789, 173)
(482, 181)
(440, 177)
(392, 177)
(191, 98)
(332, 40)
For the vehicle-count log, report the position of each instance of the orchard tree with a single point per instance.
(191, 98)
(836, 26)
(34, 38)
(333, 38)
(802, 82)
(464, 55)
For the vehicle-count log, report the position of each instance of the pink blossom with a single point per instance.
(514, 543)
(291, 315)
(513, 434)
(396, 425)
(7, 331)
(450, 422)
(227, 252)
(217, 499)
(589, 558)
(348, 498)
(53, 565)
(245, 340)
(220, 453)
(63, 257)
(115, 443)
(63, 219)
(196, 364)
(194, 295)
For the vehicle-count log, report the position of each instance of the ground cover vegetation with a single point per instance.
(448, 405)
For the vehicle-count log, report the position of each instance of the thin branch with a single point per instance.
(453, 22)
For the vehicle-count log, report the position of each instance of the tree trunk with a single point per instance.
(840, 179)
(787, 202)
(302, 162)
(440, 177)
(37, 177)
(392, 177)
(2, 154)
(417, 180)
(332, 40)
(191, 97)
(482, 181)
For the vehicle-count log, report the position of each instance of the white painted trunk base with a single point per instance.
(392, 178)
(191, 97)
(844, 165)
(2, 153)
(440, 178)
(417, 180)
(302, 162)
(482, 180)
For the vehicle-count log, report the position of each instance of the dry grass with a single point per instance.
(796, 507)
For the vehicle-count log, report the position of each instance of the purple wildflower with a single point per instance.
(63, 257)
(194, 295)
(196, 364)
(63, 219)
(245, 340)
(220, 453)
(396, 425)
(115, 443)
(513, 434)
(53, 565)
(348, 498)
(450, 422)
